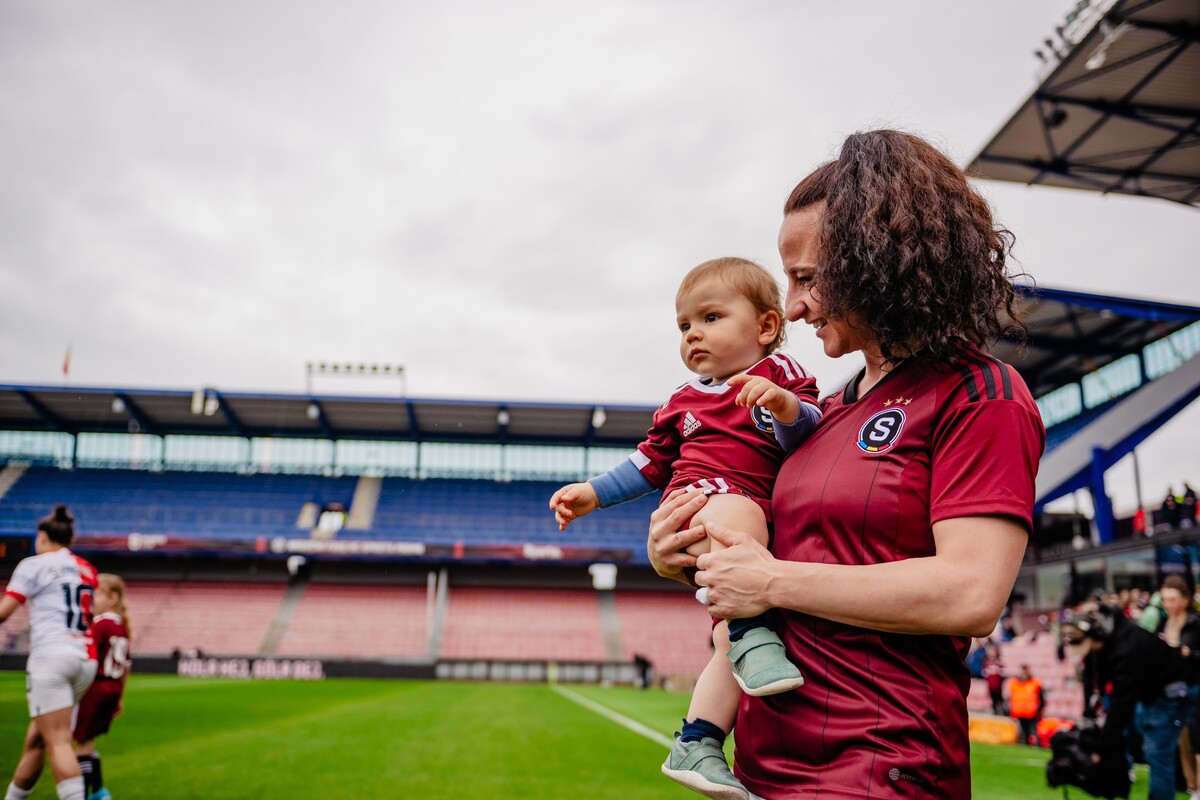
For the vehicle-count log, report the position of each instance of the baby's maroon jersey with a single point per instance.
(884, 714)
(701, 434)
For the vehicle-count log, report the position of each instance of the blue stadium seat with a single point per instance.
(241, 507)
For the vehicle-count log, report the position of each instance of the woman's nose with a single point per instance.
(795, 305)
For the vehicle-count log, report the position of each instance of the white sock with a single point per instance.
(70, 789)
(14, 793)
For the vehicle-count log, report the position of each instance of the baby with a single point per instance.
(724, 433)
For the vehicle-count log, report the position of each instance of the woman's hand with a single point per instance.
(666, 541)
(738, 577)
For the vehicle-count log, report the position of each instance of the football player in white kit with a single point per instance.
(58, 586)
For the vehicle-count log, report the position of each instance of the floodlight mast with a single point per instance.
(349, 369)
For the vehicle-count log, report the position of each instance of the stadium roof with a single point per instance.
(212, 412)
(1119, 113)
(1071, 334)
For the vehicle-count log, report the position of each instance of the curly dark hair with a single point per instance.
(909, 249)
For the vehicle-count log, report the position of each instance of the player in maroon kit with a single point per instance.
(102, 702)
(900, 524)
(723, 434)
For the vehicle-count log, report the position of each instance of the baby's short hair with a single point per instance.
(747, 278)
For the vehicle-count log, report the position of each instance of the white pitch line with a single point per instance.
(608, 713)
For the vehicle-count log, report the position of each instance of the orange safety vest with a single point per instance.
(1023, 698)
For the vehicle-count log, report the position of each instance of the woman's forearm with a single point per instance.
(961, 590)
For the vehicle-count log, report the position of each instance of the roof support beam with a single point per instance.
(234, 423)
(1071, 170)
(1138, 112)
(322, 420)
(145, 424)
(47, 416)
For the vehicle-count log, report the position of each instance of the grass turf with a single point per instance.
(190, 738)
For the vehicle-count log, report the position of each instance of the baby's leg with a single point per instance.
(697, 758)
(758, 661)
(734, 511)
(716, 696)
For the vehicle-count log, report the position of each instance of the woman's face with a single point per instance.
(799, 239)
(1173, 601)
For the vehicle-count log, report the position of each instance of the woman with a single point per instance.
(1167, 722)
(901, 522)
(58, 587)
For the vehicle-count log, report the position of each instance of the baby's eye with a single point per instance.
(683, 326)
(711, 317)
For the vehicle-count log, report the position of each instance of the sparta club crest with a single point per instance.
(762, 419)
(881, 431)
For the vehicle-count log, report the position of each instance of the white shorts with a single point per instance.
(56, 682)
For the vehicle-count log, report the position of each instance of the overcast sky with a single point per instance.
(500, 196)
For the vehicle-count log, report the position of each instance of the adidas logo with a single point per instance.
(690, 424)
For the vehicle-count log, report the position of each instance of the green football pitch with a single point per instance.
(191, 738)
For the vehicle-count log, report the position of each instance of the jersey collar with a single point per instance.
(850, 392)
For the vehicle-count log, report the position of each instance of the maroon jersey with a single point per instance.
(98, 707)
(700, 436)
(112, 647)
(883, 715)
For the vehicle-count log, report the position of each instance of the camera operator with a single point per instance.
(1150, 688)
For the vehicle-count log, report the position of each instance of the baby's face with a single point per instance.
(721, 333)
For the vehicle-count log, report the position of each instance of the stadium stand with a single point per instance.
(668, 628)
(522, 624)
(355, 621)
(1060, 681)
(14, 636)
(214, 504)
(212, 617)
(449, 510)
(228, 505)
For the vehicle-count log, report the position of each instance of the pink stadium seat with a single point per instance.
(523, 623)
(353, 621)
(217, 618)
(669, 628)
(14, 636)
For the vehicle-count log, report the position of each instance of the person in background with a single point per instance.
(1139, 522)
(57, 585)
(1170, 510)
(1180, 628)
(1187, 509)
(1026, 702)
(1150, 688)
(993, 673)
(111, 633)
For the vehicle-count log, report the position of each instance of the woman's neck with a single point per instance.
(875, 369)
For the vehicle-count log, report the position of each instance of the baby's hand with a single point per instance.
(573, 501)
(758, 391)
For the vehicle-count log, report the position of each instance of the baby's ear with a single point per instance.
(768, 327)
